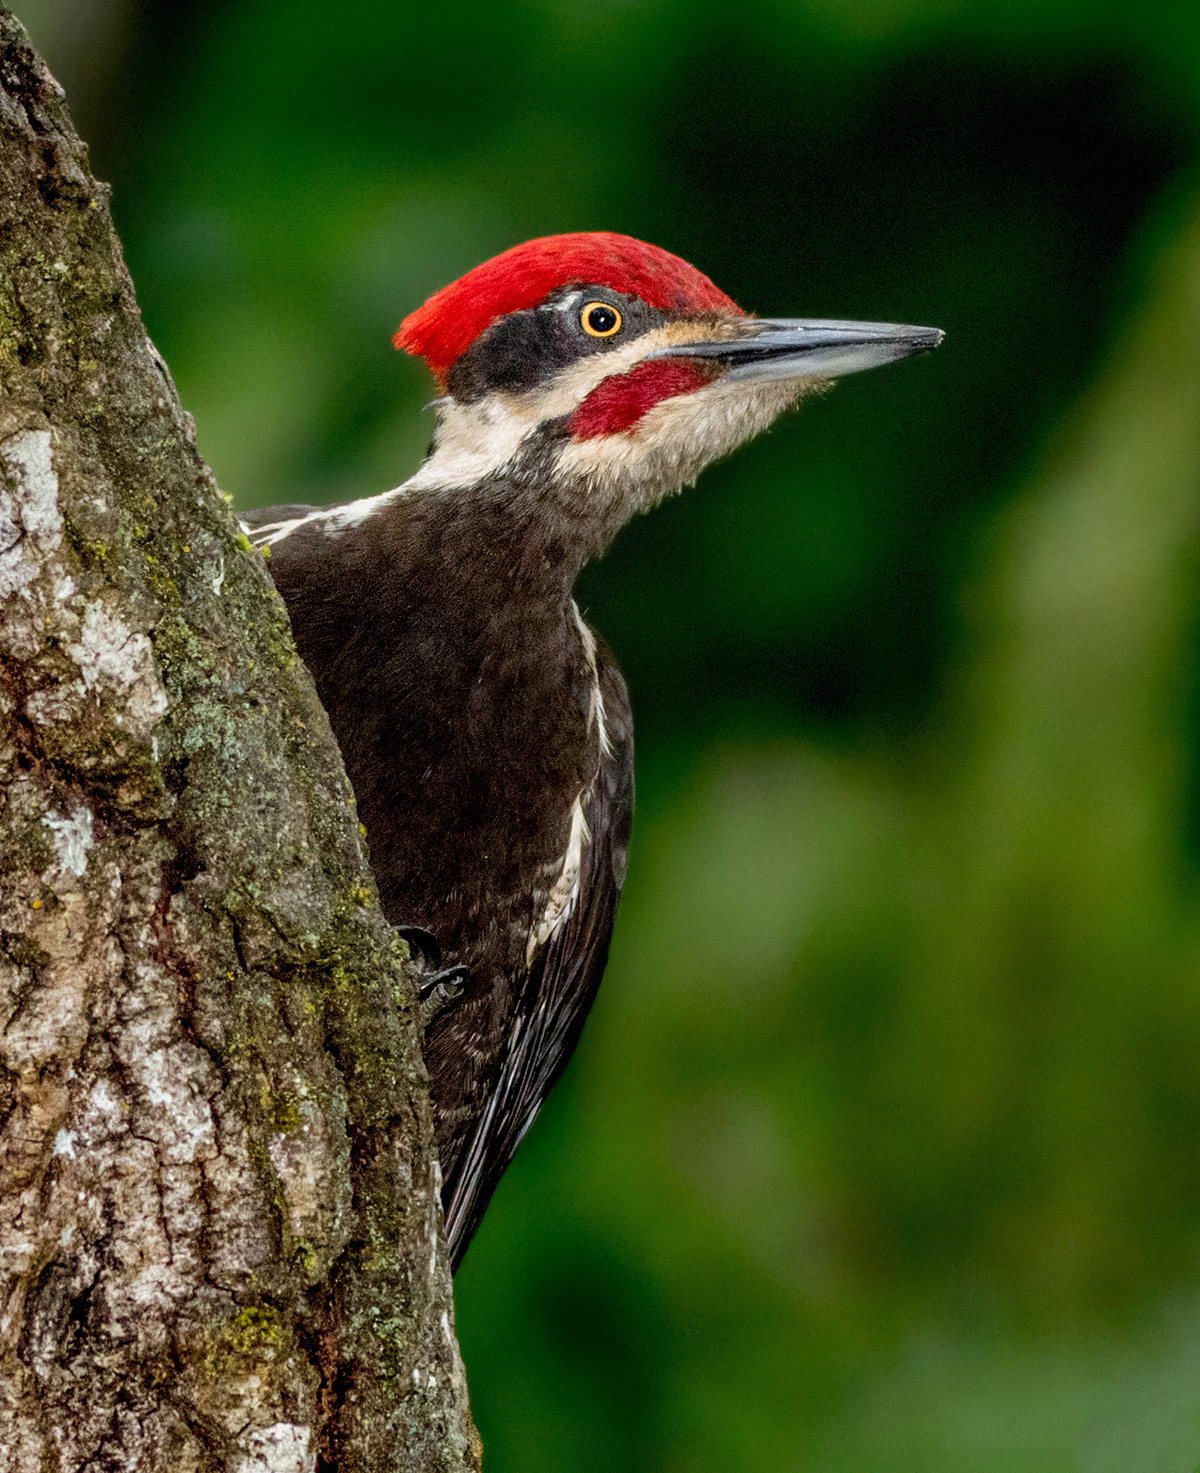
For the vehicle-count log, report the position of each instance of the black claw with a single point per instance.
(437, 993)
(423, 944)
(451, 982)
(438, 986)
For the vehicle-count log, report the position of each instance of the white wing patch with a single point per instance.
(596, 712)
(565, 891)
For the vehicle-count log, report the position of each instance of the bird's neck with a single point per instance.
(497, 479)
(493, 547)
(513, 534)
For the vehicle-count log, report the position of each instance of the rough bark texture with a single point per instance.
(219, 1227)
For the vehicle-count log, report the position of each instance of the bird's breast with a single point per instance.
(469, 777)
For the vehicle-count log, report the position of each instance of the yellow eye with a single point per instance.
(599, 320)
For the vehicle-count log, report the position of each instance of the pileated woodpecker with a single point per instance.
(484, 726)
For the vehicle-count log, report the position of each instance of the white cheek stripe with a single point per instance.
(664, 450)
(477, 440)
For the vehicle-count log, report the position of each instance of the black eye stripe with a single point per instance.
(531, 345)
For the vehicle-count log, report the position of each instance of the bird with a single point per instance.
(484, 726)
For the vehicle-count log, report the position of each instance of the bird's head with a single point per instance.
(604, 373)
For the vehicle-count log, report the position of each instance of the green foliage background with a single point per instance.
(882, 1149)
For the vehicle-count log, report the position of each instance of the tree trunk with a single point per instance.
(220, 1237)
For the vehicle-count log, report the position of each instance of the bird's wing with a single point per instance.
(560, 985)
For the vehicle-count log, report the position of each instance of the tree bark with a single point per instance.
(220, 1238)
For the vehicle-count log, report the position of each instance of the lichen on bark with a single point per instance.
(220, 1244)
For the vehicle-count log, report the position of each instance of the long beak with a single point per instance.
(792, 347)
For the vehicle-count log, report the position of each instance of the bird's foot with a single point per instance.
(442, 985)
(440, 990)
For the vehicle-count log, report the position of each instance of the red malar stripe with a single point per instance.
(619, 402)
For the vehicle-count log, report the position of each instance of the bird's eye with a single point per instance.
(599, 320)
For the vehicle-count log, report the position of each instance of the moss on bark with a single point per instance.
(220, 1244)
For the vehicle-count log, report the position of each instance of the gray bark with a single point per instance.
(220, 1242)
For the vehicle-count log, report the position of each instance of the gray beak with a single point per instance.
(793, 347)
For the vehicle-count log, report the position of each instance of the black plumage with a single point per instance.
(483, 727)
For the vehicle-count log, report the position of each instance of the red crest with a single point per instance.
(450, 321)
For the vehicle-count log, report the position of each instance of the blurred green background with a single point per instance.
(882, 1148)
